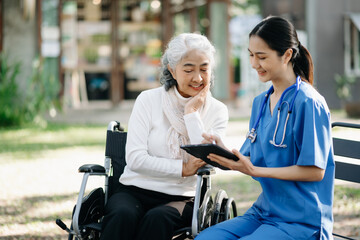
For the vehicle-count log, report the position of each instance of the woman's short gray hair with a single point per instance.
(177, 49)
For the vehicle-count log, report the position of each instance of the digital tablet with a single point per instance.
(203, 150)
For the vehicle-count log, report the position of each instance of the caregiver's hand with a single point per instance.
(243, 165)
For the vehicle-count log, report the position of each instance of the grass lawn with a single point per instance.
(39, 181)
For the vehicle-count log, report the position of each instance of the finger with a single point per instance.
(216, 157)
(202, 163)
(211, 137)
(236, 152)
(198, 160)
(215, 137)
(239, 155)
(206, 88)
(221, 160)
(204, 141)
(206, 137)
(204, 91)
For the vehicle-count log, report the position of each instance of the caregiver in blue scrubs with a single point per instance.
(289, 147)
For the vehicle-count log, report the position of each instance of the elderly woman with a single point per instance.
(157, 187)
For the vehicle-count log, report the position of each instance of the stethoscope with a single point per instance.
(251, 135)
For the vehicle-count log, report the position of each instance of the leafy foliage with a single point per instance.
(10, 105)
(243, 7)
(41, 93)
(343, 84)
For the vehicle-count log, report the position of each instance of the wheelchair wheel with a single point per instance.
(91, 234)
(206, 212)
(224, 209)
(230, 210)
(219, 207)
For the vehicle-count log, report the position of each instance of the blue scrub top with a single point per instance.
(300, 208)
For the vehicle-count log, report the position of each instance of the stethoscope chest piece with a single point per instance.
(251, 135)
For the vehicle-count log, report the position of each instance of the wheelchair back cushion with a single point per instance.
(115, 149)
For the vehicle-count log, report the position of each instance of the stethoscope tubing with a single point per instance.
(251, 135)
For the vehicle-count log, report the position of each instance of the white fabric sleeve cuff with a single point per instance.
(194, 126)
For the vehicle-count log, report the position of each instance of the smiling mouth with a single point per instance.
(197, 86)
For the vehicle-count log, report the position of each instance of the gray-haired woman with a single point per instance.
(158, 184)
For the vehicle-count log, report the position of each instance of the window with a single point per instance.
(352, 44)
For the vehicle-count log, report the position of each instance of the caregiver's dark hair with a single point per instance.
(281, 35)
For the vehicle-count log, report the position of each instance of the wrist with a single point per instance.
(259, 172)
(189, 110)
(183, 171)
(255, 172)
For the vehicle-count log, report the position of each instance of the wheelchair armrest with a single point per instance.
(91, 168)
(206, 170)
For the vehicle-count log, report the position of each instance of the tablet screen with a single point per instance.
(203, 150)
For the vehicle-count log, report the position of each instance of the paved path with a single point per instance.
(101, 112)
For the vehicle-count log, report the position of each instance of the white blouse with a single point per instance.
(149, 165)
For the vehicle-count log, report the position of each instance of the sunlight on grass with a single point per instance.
(30, 142)
(39, 179)
(346, 201)
(34, 216)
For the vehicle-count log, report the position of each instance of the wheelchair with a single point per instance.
(89, 210)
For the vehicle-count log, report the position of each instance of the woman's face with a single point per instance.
(192, 73)
(266, 61)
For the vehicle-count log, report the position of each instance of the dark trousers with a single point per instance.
(135, 213)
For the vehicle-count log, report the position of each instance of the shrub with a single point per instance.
(343, 86)
(41, 94)
(11, 108)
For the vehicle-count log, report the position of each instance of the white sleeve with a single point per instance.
(137, 155)
(216, 119)
(220, 121)
(194, 127)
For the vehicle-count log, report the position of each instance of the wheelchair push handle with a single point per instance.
(115, 125)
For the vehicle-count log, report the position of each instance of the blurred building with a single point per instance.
(293, 10)
(109, 49)
(333, 32)
(330, 29)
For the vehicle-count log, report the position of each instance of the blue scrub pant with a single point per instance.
(252, 226)
(244, 227)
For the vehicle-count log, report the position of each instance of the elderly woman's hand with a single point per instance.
(213, 138)
(197, 101)
(191, 167)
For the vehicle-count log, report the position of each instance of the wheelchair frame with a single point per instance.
(86, 223)
(345, 170)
